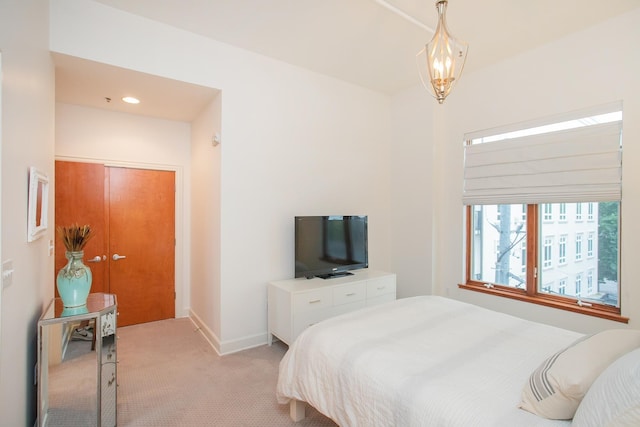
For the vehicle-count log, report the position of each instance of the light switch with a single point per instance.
(7, 273)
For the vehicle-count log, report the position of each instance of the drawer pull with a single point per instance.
(315, 301)
(380, 288)
(351, 294)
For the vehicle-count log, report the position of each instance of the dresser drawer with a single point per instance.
(347, 308)
(349, 293)
(378, 287)
(312, 300)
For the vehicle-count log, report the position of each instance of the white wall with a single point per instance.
(589, 68)
(304, 145)
(27, 140)
(294, 143)
(129, 140)
(206, 162)
(413, 191)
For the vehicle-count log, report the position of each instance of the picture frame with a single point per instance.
(38, 204)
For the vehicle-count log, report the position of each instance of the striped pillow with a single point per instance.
(557, 386)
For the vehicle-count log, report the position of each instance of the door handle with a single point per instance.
(96, 258)
(117, 257)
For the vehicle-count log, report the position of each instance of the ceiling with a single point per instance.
(371, 43)
(93, 84)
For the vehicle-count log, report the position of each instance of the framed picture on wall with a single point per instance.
(38, 204)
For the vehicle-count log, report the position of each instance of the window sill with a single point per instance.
(559, 303)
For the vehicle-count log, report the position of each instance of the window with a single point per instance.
(513, 242)
(548, 243)
(562, 287)
(562, 250)
(563, 212)
(579, 246)
(503, 242)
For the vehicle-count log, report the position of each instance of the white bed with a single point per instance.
(423, 361)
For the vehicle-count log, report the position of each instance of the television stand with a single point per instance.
(296, 304)
(334, 275)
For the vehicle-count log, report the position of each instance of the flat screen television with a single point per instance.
(330, 246)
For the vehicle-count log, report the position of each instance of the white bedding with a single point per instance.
(422, 361)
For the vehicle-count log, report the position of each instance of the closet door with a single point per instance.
(80, 198)
(142, 229)
(132, 212)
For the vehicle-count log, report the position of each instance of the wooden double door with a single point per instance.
(132, 253)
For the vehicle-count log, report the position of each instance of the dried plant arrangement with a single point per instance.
(75, 237)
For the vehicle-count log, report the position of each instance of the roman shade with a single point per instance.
(576, 165)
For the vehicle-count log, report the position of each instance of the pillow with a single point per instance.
(614, 397)
(557, 386)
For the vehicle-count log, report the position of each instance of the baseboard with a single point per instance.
(245, 343)
(206, 332)
(226, 347)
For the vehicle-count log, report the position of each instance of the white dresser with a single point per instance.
(296, 304)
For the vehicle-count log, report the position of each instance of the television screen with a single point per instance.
(330, 246)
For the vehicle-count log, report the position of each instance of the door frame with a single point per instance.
(182, 225)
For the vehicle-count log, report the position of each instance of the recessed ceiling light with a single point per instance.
(131, 100)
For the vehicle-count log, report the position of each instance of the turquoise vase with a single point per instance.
(74, 281)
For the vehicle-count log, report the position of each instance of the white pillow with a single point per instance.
(557, 386)
(614, 397)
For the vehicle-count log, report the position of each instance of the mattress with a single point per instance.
(421, 361)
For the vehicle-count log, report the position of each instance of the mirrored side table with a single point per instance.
(77, 364)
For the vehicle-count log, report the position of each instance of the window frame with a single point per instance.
(530, 292)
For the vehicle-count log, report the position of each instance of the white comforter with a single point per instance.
(423, 361)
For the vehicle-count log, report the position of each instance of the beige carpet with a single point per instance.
(169, 375)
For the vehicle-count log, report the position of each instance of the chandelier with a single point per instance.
(445, 57)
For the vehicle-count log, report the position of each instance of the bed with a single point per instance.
(432, 361)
